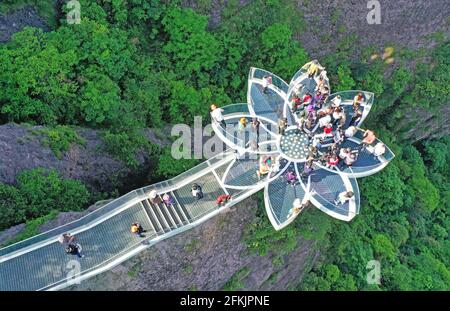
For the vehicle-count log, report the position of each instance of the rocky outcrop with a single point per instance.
(13, 22)
(403, 23)
(22, 149)
(426, 124)
(61, 219)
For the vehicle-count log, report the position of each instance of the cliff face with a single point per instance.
(325, 22)
(22, 149)
(403, 23)
(430, 125)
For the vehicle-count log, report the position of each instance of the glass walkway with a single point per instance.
(254, 162)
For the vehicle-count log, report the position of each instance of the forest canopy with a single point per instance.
(136, 64)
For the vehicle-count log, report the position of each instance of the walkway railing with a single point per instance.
(110, 210)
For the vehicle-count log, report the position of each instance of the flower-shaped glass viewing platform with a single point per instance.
(285, 141)
(309, 146)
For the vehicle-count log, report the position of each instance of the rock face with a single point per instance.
(21, 149)
(204, 258)
(62, 219)
(12, 23)
(403, 23)
(427, 125)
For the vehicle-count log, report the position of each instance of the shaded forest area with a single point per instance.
(135, 64)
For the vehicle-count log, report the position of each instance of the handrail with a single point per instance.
(111, 205)
(276, 80)
(333, 207)
(147, 241)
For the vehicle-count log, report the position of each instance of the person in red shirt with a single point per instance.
(328, 130)
(223, 199)
(332, 161)
(307, 98)
(296, 103)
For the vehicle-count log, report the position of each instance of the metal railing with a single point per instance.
(276, 80)
(111, 206)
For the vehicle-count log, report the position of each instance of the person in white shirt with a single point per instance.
(351, 131)
(336, 102)
(350, 159)
(276, 164)
(324, 120)
(338, 114)
(343, 197)
(266, 81)
(216, 115)
(237, 155)
(338, 136)
(344, 152)
(379, 149)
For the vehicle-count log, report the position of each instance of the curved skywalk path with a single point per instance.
(40, 262)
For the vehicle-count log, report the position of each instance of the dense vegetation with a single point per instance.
(133, 64)
(38, 192)
(403, 224)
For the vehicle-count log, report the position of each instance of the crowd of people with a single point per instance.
(327, 122)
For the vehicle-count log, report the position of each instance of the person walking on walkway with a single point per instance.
(74, 249)
(66, 238)
(196, 191)
(266, 81)
(223, 199)
(137, 230)
(291, 178)
(343, 197)
(154, 198)
(216, 115)
(255, 126)
(282, 125)
(167, 199)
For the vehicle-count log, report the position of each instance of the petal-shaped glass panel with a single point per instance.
(250, 170)
(367, 162)
(347, 98)
(280, 194)
(245, 136)
(259, 74)
(303, 84)
(301, 76)
(327, 186)
(266, 101)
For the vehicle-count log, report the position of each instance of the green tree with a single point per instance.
(344, 79)
(44, 190)
(191, 48)
(383, 247)
(12, 206)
